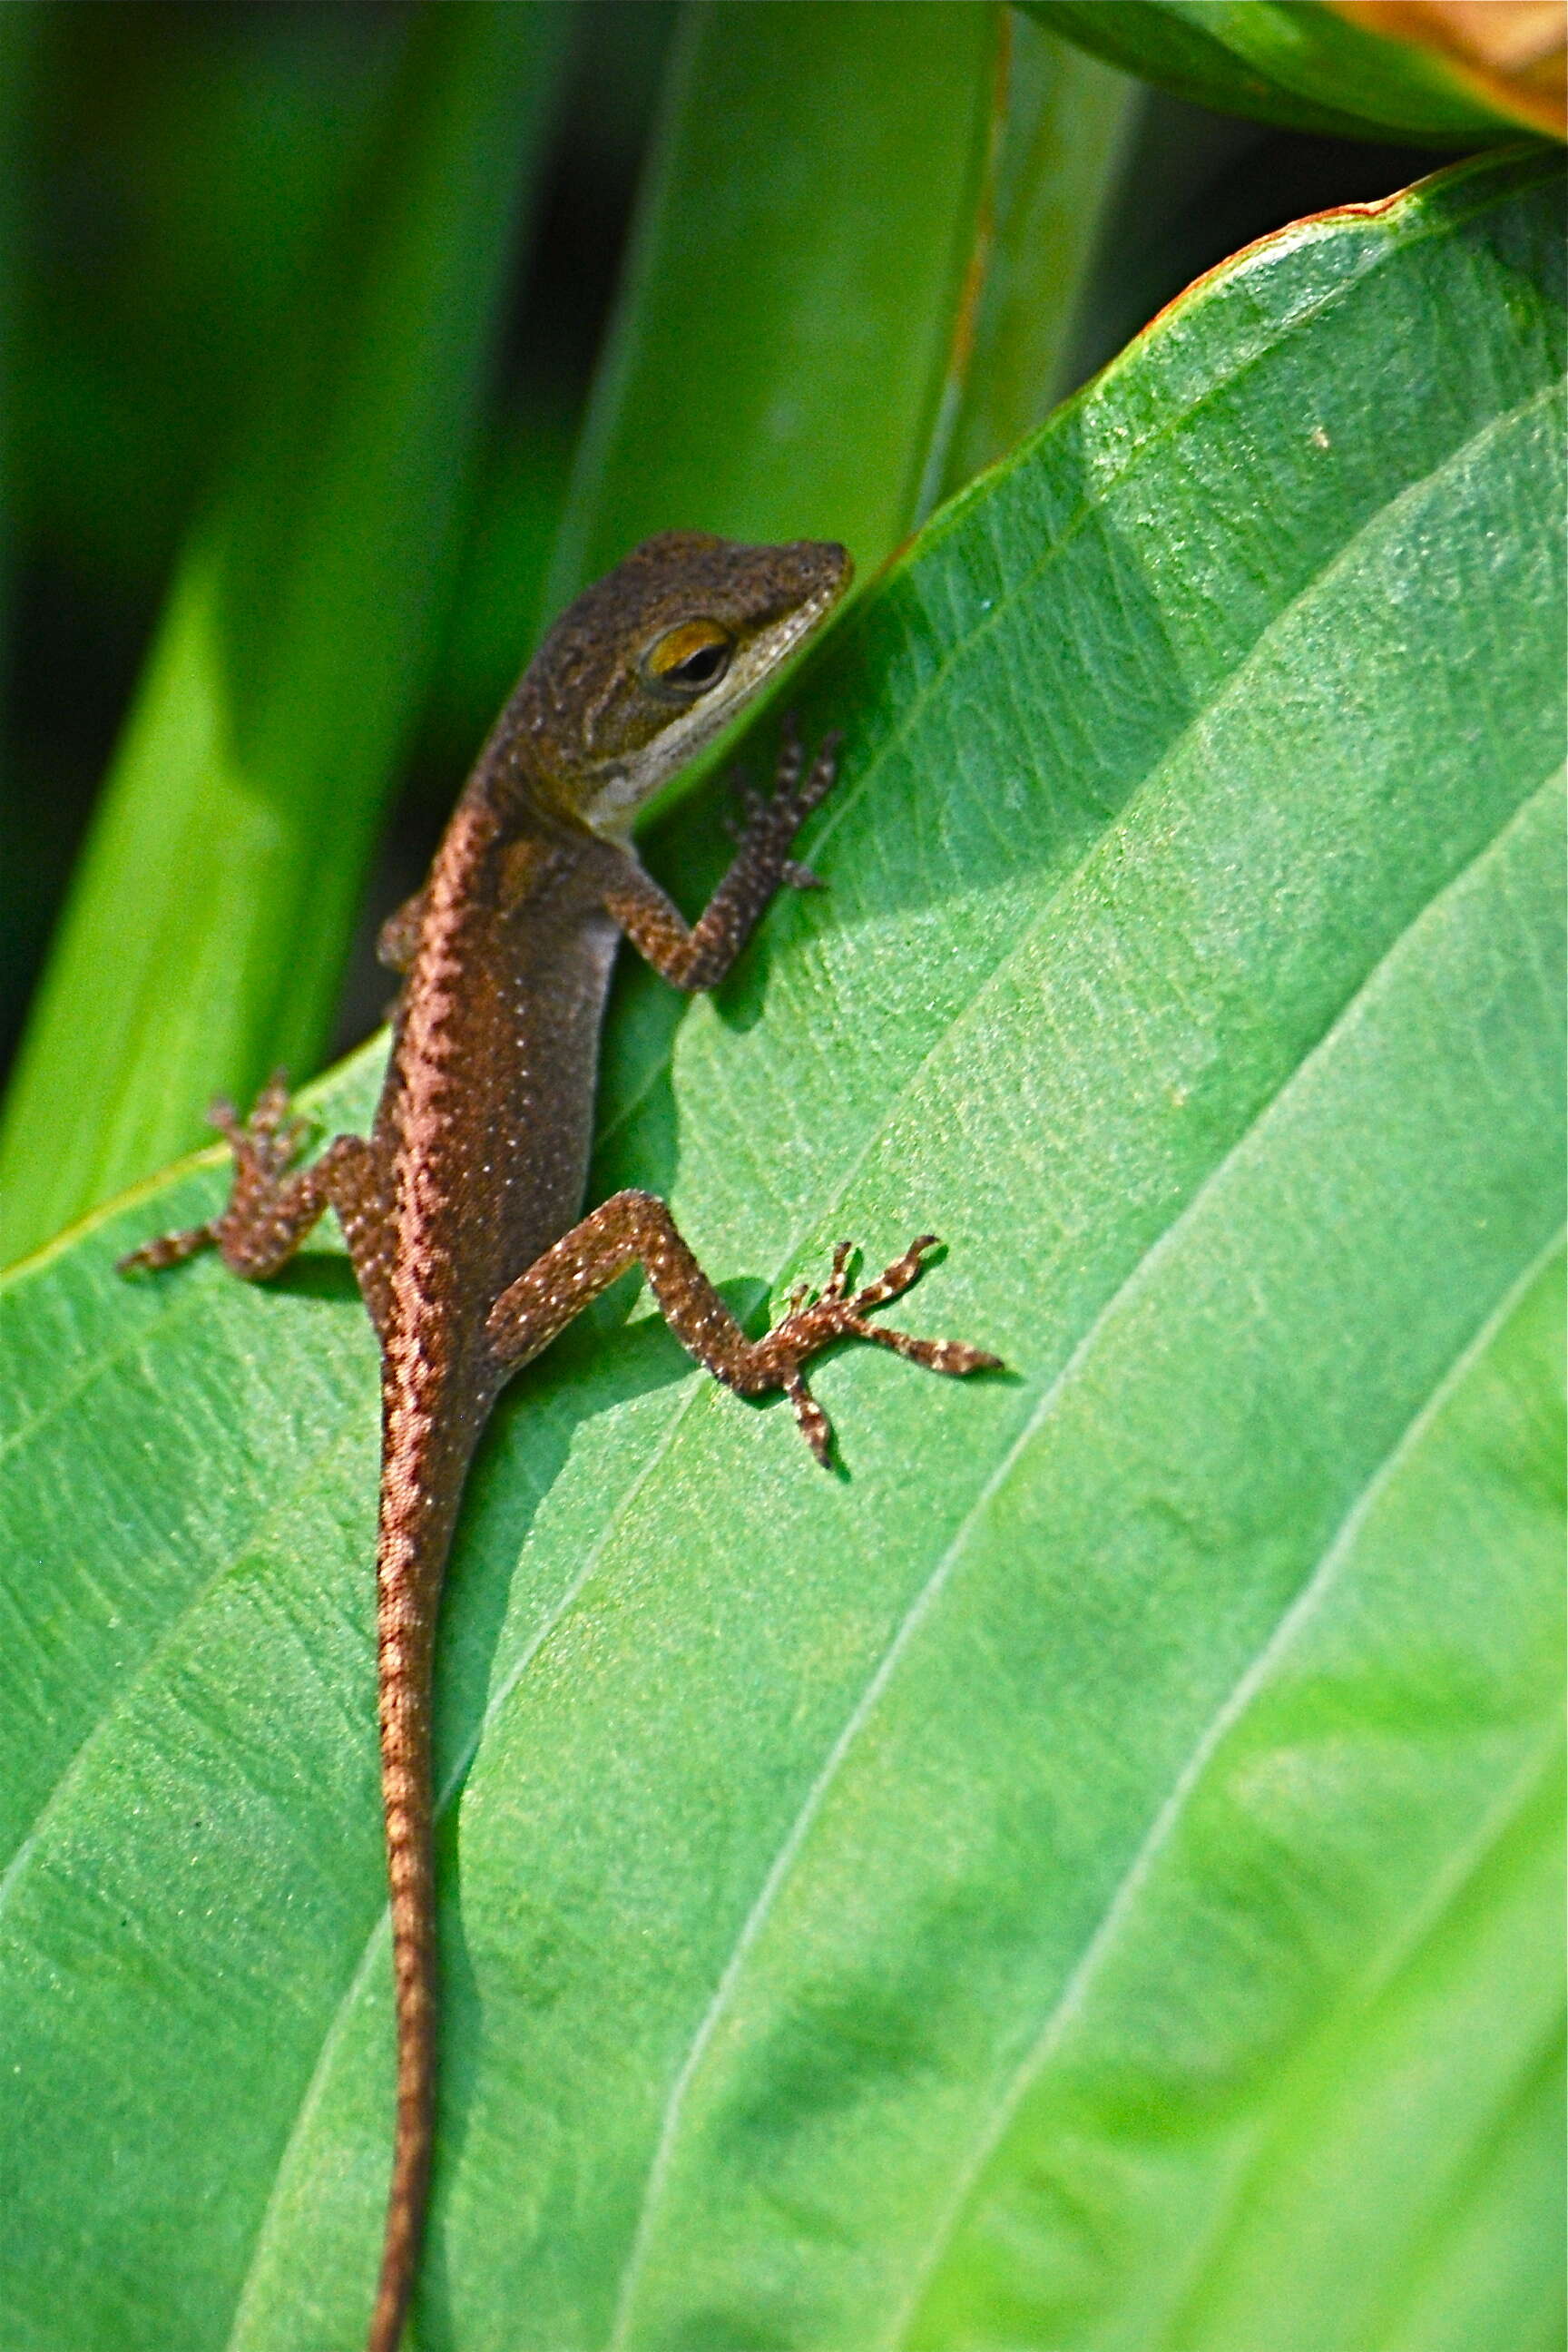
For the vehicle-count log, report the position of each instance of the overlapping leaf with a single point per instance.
(1292, 62)
(804, 256)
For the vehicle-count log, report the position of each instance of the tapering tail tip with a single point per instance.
(405, 2231)
(413, 1966)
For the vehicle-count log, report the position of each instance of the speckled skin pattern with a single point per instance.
(461, 1211)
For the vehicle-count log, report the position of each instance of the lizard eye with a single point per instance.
(688, 661)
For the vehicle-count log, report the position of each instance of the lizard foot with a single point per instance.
(812, 1323)
(263, 1148)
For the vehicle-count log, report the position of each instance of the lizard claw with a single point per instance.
(767, 827)
(818, 781)
(791, 759)
(266, 1144)
(814, 1425)
(838, 1280)
(166, 1250)
(749, 806)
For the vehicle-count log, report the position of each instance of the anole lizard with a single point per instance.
(463, 1211)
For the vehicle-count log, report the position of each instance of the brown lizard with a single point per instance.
(463, 1211)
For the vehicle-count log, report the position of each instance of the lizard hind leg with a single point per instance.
(635, 1227)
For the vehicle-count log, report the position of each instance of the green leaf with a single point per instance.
(1289, 61)
(206, 928)
(1088, 1879)
(799, 278)
(1064, 121)
(496, 604)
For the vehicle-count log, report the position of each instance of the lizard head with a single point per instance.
(648, 665)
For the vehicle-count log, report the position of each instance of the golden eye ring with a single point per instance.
(688, 661)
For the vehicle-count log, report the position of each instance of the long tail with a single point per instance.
(421, 1487)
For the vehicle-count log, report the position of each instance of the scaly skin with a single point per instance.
(463, 1211)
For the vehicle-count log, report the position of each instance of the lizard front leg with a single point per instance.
(272, 1205)
(699, 955)
(634, 1227)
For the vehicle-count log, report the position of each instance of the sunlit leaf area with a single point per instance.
(1085, 1875)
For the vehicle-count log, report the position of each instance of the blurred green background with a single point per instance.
(169, 168)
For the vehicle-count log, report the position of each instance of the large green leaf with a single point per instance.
(799, 278)
(1087, 1878)
(1289, 61)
